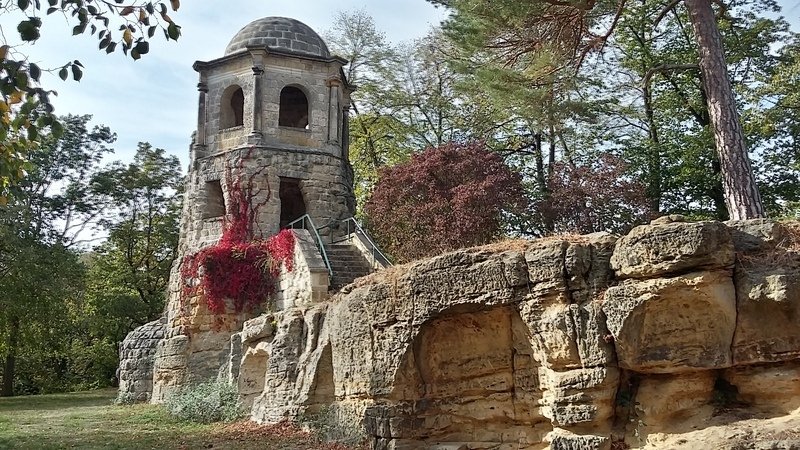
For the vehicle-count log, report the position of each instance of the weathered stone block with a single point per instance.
(663, 249)
(675, 324)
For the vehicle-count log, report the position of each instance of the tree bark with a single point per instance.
(654, 155)
(10, 359)
(741, 193)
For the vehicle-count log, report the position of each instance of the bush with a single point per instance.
(448, 197)
(213, 401)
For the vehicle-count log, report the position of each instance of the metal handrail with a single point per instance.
(302, 220)
(357, 228)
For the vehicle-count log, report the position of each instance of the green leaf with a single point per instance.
(142, 47)
(174, 31)
(33, 132)
(77, 73)
(63, 73)
(21, 80)
(28, 31)
(34, 71)
(23, 4)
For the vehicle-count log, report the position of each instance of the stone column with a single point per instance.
(200, 138)
(334, 110)
(257, 111)
(346, 133)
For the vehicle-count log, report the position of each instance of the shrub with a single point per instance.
(444, 198)
(598, 196)
(213, 401)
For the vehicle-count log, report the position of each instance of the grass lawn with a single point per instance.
(88, 420)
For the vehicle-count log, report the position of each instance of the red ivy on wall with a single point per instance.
(241, 267)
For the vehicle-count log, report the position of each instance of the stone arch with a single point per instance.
(469, 377)
(294, 110)
(232, 107)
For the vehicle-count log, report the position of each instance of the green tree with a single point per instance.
(129, 272)
(35, 280)
(543, 38)
(662, 125)
(25, 108)
(52, 208)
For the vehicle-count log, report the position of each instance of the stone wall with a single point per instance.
(565, 343)
(136, 357)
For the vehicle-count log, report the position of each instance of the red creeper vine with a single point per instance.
(242, 266)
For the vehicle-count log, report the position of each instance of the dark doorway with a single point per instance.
(292, 205)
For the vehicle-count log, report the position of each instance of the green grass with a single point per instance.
(89, 420)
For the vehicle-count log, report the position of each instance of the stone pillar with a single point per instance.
(256, 113)
(334, 110)
(200, 138)
(346, 133)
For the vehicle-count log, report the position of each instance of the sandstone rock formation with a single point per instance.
(136, 357)
(679, 335)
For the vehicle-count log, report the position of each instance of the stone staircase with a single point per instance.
(347, 264)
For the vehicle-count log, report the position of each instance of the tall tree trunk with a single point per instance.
(10, 359)
(653, 156)
(741, 193)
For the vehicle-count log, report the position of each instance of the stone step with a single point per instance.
(349, 259)
(347, 264)
(356, 265)
(345, 256)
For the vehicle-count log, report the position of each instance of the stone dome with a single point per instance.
(281, 34)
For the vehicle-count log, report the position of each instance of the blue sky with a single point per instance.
(155, 99)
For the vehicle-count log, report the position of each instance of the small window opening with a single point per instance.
(292, 205)
(215, 200)
(237, 105)
(293, 108)
(232, 108)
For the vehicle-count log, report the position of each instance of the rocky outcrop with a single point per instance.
(136, 357)
(587, 342)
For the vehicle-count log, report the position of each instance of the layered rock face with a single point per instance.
(587, 342)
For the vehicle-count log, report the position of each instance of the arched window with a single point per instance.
(232, 107)
(294, 108)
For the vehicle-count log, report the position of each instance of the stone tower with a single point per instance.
(279, 100)
(273, 112)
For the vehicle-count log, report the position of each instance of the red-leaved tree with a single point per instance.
(594, 197)
(444, 198)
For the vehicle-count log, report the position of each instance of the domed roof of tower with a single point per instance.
(281, 34)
